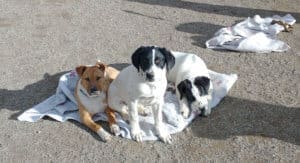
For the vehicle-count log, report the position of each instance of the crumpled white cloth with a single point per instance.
(252, 35)
(62, 106)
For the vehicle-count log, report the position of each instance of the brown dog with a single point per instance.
(91, 96)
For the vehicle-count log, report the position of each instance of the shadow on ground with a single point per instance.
(140, 14)
(232, 117)
(204, 31)
(32, 94)
(119, 66)
(238, 117)
(216, 9)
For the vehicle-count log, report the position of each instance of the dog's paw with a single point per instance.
(115, 129)
(104, 135)
(137, 135)
(165, 137)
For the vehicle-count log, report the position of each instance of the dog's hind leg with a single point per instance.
(117, 105)
(124, 112)
(114, 128)
(86, 119)
(144, 111)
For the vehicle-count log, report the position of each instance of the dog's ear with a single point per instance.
(182, 87)
(202, 84)
(80, 70)
(135, 57)
(101, 66)
(170, 59)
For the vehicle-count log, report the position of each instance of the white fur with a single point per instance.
(130, 89)
(104, 135)
(114, 128)
(190, 66)
(93, 104)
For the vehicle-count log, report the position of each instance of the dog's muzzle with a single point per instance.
(150, 77)
(202, 112)
(94, 91)
(205, 111)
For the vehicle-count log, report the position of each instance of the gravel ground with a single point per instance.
(42, 39)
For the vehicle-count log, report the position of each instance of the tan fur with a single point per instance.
(99, 76)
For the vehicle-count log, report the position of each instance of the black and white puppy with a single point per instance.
(193, 84)
(142, 84)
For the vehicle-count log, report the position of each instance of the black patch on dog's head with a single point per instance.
(202, 83)
(169, 58)
(185, 91)
(142, 58)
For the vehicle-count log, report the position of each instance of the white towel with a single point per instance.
(252, 35)
(62, 106)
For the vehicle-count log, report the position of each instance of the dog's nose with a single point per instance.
(202, 112)
(93, 89)
(150, 76)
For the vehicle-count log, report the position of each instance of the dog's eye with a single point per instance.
(145, 61)
(157, 61)
(98, 78)
(87, 79)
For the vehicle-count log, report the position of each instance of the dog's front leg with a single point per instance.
(157, 114)
(136, 132)
(112, 121)
(86, 119)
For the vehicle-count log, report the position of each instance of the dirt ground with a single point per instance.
(42, 39)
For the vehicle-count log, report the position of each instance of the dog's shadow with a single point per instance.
(119, 66)
(20, 100)
(32, 94)
(201, 31)
(238, 117)
(232, 117)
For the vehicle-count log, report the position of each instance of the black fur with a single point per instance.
(202, 83)
(142, 58)
(135, 57)
(170, 59)
(185, 90)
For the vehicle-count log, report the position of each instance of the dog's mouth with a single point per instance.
(92, 94)
(95, 93)
(150, 79)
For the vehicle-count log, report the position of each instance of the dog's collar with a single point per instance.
(84, 93)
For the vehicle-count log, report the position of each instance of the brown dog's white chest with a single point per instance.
(93, 104)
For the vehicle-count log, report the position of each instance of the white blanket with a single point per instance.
(62, 106)
(252, 35)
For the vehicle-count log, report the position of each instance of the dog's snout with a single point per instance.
(93, 89)
(202, 112)
(150, 76)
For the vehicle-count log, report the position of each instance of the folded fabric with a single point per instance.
(253, 35)
(62, 106)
